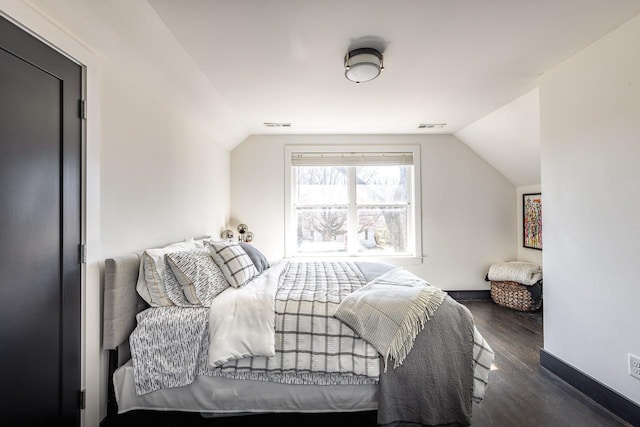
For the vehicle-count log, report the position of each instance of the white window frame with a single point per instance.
(414, 231)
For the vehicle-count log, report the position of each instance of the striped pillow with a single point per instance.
(199, 278)
(234, 262)
(151, 278)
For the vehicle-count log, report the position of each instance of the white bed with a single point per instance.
(226, 396)
(238, 389)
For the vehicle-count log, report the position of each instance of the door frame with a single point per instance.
(23, 44)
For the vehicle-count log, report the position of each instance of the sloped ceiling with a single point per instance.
(509, 139)
(238, 64)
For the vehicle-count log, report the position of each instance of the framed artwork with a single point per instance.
(532, 220)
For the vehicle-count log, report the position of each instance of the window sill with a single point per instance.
(395, 260)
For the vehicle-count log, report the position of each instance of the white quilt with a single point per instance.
(242, 320)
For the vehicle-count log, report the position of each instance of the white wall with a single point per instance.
(163, 179)
(153, 172)
(468, 209)
(527, 254)
(590, 116)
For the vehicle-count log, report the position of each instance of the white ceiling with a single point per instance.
(448, 61)
(233, 65)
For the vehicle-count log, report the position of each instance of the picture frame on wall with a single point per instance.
(532, 220)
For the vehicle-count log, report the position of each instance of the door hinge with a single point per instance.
(83, 399)
(83, 109)
(83, 253)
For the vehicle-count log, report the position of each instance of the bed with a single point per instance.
(286, 335)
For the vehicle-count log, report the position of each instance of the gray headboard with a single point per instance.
(121, 300)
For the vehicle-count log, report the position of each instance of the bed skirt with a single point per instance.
(216, 395)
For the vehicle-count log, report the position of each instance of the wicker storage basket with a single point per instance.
(513, 295)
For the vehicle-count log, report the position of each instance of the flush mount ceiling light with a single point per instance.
(362, 65)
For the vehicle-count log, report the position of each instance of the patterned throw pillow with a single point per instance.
(173, 289)
(195, 280)
(234, 262)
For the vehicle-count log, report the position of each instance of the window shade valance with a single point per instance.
(351, 159)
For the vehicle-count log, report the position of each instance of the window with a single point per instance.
(352, 202)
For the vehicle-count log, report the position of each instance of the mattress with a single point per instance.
(217, 395)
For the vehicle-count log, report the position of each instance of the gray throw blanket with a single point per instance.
(431, 338)
(434, 385)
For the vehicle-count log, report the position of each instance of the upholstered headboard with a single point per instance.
(121, 300)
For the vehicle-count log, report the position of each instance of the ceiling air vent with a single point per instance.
(431, 125)
(277, 125)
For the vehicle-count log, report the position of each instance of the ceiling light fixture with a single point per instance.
(362, 65)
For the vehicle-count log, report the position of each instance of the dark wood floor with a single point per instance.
(521, 393)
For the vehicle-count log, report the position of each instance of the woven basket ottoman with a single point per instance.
(514, 295)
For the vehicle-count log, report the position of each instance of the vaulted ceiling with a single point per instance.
(456, 62)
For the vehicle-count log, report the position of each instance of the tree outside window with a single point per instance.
(352, 209)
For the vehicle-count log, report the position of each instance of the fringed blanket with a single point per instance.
(435, 384)
(390, 311)
(431, 339)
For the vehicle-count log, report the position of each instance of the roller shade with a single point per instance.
(351, 159)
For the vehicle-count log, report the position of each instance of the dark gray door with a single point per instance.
(40, 232)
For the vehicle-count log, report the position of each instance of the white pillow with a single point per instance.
(150, 284)
(234, 262)
(201, 242)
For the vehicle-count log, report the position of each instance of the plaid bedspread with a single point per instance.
(312, 346)
(170, 344)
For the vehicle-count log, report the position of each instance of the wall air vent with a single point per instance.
(277, 125)
(431, 125)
